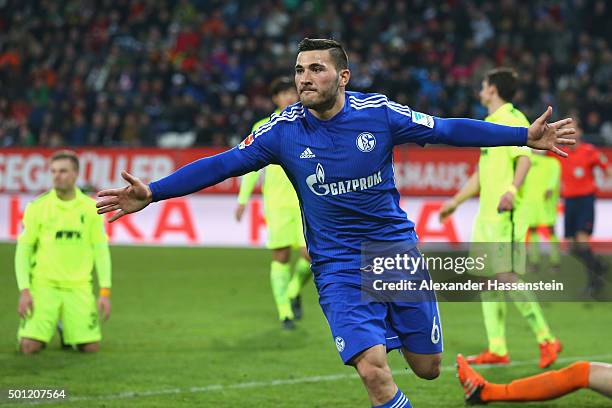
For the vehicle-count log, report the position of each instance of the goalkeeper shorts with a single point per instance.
(74, 307)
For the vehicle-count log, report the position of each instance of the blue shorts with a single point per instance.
(579, 215)
(357, 325)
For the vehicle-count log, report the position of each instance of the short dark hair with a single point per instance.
(281, 84)
(505, 80)
(66, 154)
(336, 50)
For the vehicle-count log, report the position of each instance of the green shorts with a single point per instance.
(285, 228)
(74, 307)
(543, 213)
(502, 244)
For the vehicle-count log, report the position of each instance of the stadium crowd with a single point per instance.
(160, 72)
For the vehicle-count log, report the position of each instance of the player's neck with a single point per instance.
(65, 195)
(329, 112)
(495, 104)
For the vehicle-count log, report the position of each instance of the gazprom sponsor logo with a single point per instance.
(316, 183)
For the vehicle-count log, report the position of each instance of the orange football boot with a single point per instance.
(471, 381)
(486, 357)
(549, 351)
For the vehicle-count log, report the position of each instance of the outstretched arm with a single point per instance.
(253, 154)
(540, 135)
(424, 129)
(200, 174)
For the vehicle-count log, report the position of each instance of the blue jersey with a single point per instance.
(342, 171)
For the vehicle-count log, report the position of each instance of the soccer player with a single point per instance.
(541, 387)
(541, 197)
(578, 188)
(63, 239)
(348, 198)
(502, 223)
(283, 218)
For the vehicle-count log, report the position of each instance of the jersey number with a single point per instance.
(435, 332)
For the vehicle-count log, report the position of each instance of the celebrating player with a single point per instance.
(578, 189)
(502, 221)
(541, 197)
(541, 387)
(63, 238)
(348, 197)
(283, 218)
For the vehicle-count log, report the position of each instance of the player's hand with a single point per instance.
(547, 136)
(26, 306)
(104, 307)
(240, 212)
(548, 194)
(125, 200)
(506, 202)
(447, 209)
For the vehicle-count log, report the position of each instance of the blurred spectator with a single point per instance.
(130, 132)
(126, 72)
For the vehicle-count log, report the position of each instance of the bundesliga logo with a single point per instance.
(247, 141)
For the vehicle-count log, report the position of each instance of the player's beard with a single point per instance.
(327, 98)
(63, 188)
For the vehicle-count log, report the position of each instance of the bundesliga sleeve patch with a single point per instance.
(246, 142)
(423, 119)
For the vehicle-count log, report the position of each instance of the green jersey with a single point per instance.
(60, 243)
(496, 164)
(544, 174)
(278, 192)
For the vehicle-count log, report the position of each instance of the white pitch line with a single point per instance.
(279, 382)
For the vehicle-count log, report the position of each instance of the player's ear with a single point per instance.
(345, 75)
(494, 89)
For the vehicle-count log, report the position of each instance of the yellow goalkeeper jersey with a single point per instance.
(64, 237)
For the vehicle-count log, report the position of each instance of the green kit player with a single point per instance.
(284, 220)
(502, 223)
(541, 196)
(63, 238)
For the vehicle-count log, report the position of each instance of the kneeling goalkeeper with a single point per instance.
(62, 240)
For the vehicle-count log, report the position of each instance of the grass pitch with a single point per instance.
(197, 327)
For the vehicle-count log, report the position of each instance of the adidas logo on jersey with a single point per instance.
(307, 154)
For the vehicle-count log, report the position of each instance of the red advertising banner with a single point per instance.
(25, 169)
(432, 171)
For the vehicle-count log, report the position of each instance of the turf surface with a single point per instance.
(196, 327)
